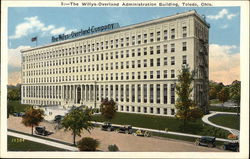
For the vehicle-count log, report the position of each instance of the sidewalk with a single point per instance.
(213, 113)
(43, 141)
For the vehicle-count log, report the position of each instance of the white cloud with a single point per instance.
(14, 59)
(224, 66)
(221, 14)
(32, 25)
(14, 56)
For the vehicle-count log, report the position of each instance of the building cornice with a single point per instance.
(129, 27)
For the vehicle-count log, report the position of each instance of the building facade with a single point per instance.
(136, 66)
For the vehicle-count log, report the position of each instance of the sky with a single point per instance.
(45, 22)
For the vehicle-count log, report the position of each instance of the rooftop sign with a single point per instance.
(90, 30)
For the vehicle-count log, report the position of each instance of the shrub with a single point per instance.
(88, 144)
(113, 148)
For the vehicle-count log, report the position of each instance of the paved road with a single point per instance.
(213, 113)
(43, 141)
(125, 142)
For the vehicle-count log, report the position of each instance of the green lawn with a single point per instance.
(231, 121)
(17, 106)
(18, 144)
(161, 123)
(222, 109)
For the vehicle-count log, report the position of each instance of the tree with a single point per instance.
(108, 108)
(76, 120)
(88, 144)
(212, 93)
(186, 108)
(235, 93)
(32, 117)
(223, 95)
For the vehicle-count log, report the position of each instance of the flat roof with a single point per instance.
(127, 27)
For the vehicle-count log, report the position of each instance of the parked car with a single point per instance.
(127, 129)
(41, 130)
(107, 126)
(142, 133)
(208, 141)
(233, 146)
(19, 114)
(58, 118)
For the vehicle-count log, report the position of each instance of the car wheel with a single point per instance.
(237, 149)
(210, 145)
(224, 147)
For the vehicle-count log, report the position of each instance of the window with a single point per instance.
(172, 47)
(158, 49)
(145, 109)
(184, 59)
(127, 108)
(158, 110)
(127, 64)
(145, 75)
(145, 93)
(158, 92)
(165, 35)
(151, 74)
(121, 54)
(184, 46)
(133, 93)
(121, 65)
(121, 76)
(151, 50)
(138, 75)
(151, 93)
(138, 109)
(151, 62)
(172, 112)
(172, 60)
(158, 73)
(139, 63)
(133, 109)
(172, 74)
(145, 51)
(133, 75)
(165, 61)
(139, 93)
(158, 62)
(151, 110)
(172, 94)
(165, 111)
(165, 73)
(165, 93)
(121, 107)
(165, 47)
(172, 33)
(184, 31)
(133, 64)
(145, 62)
(138, 52)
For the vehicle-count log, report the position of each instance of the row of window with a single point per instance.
(145, 110)
(145, 93)
(105, 77)
(108, 44)
(111, 66)
(100, 57)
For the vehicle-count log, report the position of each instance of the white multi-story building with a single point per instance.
(136, 66)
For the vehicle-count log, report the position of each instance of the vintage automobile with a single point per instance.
(58, 118)
(127, 129)
(142, 133)
(208, 141)
(107, 126)
(19, 114)
(41, 130)
(233, 146)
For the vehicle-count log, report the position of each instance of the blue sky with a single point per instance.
(27, 22)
